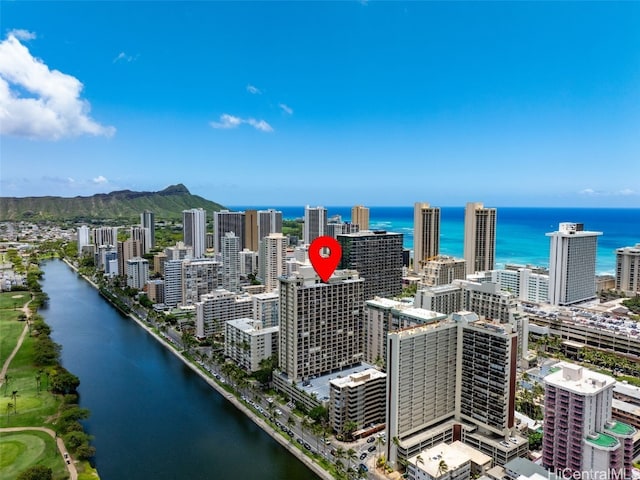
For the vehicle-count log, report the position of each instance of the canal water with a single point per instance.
(152, 417)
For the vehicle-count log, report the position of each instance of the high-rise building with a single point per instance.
(426, 234)
(572, 264)
(315, 223)
(580, 434)
(105, 236)
(320, 323)
(179, 252)
(442, 270)
(231, 262)
(126, 251)
(199, 276)
(628, 270)
(474, 364)
(269, 221)
(137, 273)
(141, 235)
(248, 262)
(147, 220)
(479, 237)
(360, 217)
(377, 256)
(218, 307)
(340, 228)
(273, 255)
(173, 283)
(251, 239)
(83, 238)
(266, 308)
(225, 221)
(194, 226)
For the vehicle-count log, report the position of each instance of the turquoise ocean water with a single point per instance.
(520, 231)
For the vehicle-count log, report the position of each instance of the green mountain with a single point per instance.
(167, 204)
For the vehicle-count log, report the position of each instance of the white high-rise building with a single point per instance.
(137, 273)
(83, 238)
(218, 307)
(572, 264)
(479, 237)
(173, 283)
(194, 226)
(199, 276)
(315, 223)
(248, 262)
(273, 255)
(247, 342)
(105, 236)
(147, 220)
(426, 234)
(231, 262)
(140, 235)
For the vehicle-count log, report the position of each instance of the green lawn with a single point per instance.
(10, 330)
(20, 450)
(9, 300)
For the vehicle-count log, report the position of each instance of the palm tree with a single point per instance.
(14, 395)
(419, 459)
(351, 456)
(442, 468)
(339, 453)
(304, 425)
(348, 428)
(9, 407)
(291, 423)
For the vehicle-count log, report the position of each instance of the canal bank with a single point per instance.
(231, 399)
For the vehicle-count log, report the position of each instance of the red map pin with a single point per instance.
(325, 266)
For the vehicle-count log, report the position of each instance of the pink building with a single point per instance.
(580, 435)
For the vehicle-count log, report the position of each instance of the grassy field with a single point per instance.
(9, 300)
(20, 450)
(10, 330)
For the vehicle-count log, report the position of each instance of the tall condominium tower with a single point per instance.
(194, 227)
(269, 221)
(426, 234)
(320, 323)
(231, 262)
(315, 223)
(105, 236)
(141, 235)
(460, 371)
(83, 238)
(251, 240)
(479, 237)
(272, 260)
(225, 221)
(572, 264)
(147, 220)
(377, 256)
(360, 217)
(126, 251)
(580, 434)
(199, 277)
(628, 270)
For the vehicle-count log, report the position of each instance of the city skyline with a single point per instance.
(513, 103)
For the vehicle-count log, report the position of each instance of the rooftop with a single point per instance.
(430, 459)
(620, 428)
(602, 440)
(580, 380)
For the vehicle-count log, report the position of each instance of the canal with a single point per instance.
(151, 416)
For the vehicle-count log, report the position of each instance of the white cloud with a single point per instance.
(229, 121)
(627, 191)
(254, 90)
(100, 180)
(53, 109)
(123, 57)
(588, 191)
(23, 34)
(604, 193)
(260, 125)
(286, 109)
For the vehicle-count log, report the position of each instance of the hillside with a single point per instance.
(121, 205)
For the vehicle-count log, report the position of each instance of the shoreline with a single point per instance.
(289, 446)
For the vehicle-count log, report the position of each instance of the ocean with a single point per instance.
(520, 232)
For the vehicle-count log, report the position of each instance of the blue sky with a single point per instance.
(330, 103)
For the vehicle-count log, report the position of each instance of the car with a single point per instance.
(363, 455)
(299, 440)
(278, 411)
(68, 462)
(66, 455)
(307, 446)
(371, 439)
(504, 444)
(372, 448)
(363, 468)
(327, 441)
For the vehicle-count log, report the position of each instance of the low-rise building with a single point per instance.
(247, 343)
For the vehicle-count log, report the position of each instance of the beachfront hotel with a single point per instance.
(426, 234)
(479, 237)
(572, 264)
